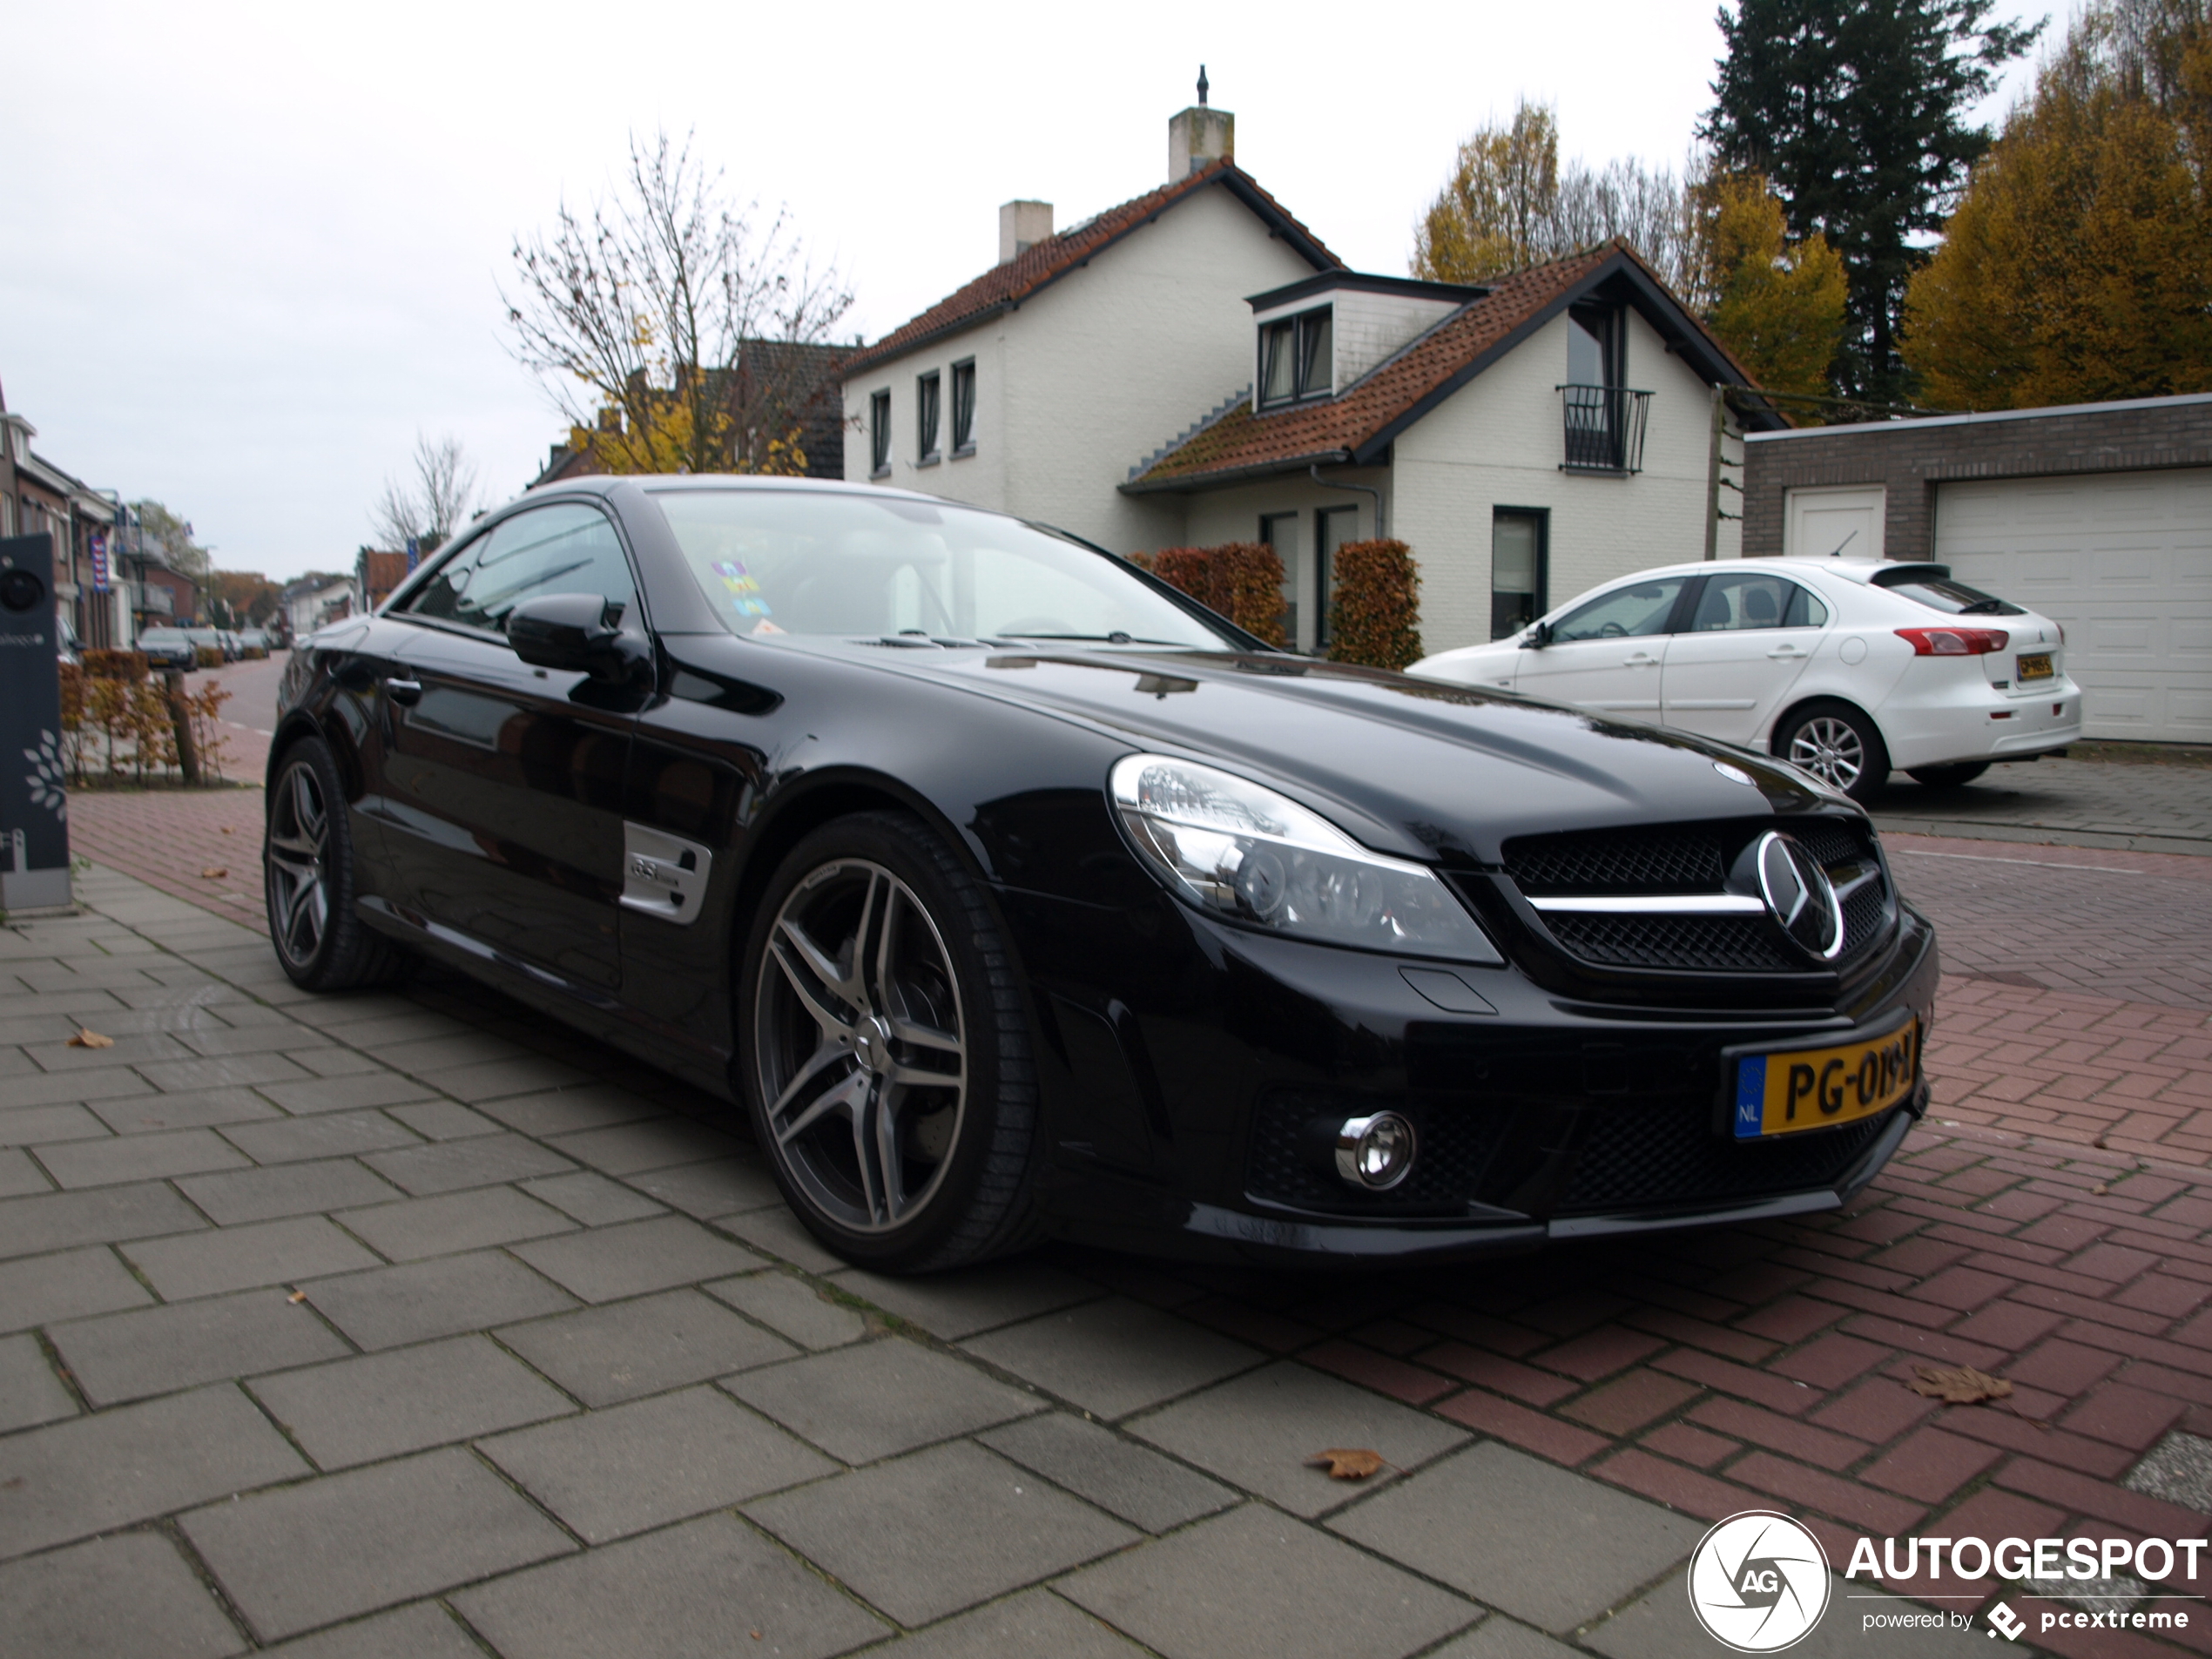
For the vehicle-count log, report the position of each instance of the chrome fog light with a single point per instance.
(1374, 1152)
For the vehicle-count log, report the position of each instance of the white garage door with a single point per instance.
(2124, 560)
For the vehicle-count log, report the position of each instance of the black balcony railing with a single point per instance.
(1604, 428)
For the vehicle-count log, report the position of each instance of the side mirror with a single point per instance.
(1539, 636)
(580, 632)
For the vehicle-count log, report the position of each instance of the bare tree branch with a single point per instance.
(653, 320)
(428, 508)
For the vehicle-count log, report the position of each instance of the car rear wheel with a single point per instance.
(1948, 777)
(887, 1065)
(308, 879)
(1838, 744)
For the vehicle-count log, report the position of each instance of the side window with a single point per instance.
(564, 549)
(1747, 599)
(1640, 609)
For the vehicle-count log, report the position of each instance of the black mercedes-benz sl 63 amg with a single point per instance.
(1015, 894)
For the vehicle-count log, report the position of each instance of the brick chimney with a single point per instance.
(1021, 226)
(1199, 135)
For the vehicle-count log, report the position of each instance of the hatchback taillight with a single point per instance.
(1955, 642)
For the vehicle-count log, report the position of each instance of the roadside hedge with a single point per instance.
(1241, 581)
(116, 664)
(1375, 616)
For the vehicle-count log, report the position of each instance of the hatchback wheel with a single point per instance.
(1837, 744)
(887, 1066)
(308, 881)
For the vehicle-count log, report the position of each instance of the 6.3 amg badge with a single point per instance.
(1758, 1582)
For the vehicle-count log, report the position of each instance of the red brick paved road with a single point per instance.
(1767, 1365)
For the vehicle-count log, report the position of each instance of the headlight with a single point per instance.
(1244, 852)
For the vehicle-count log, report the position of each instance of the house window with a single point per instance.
(1333, 527)
(1296, 358)
(878, 434)
(928, 400)
(1280, 531)
(1519, 554)
(1605, 421)
(964, 408)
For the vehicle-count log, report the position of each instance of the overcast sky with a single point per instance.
(251, 251)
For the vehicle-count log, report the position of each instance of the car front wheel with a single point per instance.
(886, 1052)
(1839, 745)
(308, 881)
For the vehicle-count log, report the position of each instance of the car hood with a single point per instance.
(1418, 767)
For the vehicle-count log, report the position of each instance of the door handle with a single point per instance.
(1641, 659)
(405, 693)
(1786, 654)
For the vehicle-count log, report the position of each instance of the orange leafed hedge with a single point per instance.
(1375, 616)
(1241, 581)
(116, 664)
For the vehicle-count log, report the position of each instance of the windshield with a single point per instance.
(1933, 586)
(789, 562)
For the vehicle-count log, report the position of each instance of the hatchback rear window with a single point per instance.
(1933, 586)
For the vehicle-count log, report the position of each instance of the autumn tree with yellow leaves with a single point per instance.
(1720, 240)
(662, 321)
(2078, 267)
(1778, 306)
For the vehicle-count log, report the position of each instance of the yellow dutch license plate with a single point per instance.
(1808, 1089)
(2035, 667)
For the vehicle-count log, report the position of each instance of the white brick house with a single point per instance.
(1193, 367)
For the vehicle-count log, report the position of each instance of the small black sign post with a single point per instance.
(34, 830)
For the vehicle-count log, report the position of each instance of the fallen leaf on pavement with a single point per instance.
(84, 1039)
(1346, 1463)
(297, 1296)
(227, 830)
(213, 873)
(1958, 1385)
(2098, 1191)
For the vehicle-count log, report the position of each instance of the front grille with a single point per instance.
(1734, 944)
(1615, 863)
(1684, 859)
(1284, 1164)
(1640, 1156)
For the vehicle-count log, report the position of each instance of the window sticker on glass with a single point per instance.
(745, 592)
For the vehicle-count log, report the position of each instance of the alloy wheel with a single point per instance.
(300, 864)
(1831, 749)
(860, 1046)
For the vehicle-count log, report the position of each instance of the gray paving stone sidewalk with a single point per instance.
(409, 1325)
(2144, 806)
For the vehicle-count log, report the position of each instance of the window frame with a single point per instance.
(929, 417)
(1541, 516)
(879, 433)
(396, 602)
(963, 408)
(1298, 328)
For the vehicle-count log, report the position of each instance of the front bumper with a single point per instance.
(1181, 1119)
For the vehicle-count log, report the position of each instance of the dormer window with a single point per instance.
(1296, 357)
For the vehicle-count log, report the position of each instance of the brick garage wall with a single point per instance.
(1911, 458)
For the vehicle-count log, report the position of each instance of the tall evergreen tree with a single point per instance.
(1857, 111)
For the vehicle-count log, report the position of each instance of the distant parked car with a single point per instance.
(212, 640)
(1842, 667)
(67, 646)
(170, 648)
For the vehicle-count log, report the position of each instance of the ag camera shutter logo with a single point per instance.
(1758, 1582)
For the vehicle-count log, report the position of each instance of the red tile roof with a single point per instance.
(1046, 262)
(1359, 422)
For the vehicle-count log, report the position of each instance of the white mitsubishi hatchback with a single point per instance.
(1844, 667)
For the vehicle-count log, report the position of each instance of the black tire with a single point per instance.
(1948, 777)
(1836, 744)
(308, 881)
(876, 969)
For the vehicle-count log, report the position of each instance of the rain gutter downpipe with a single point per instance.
(1382, 529)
